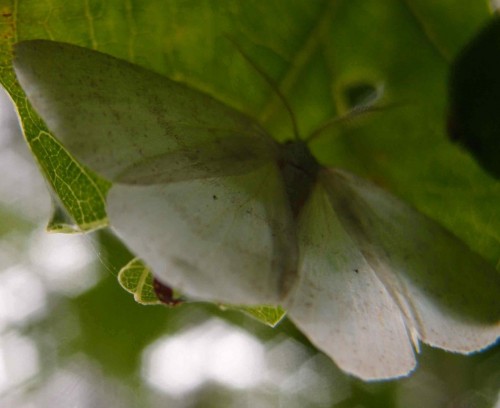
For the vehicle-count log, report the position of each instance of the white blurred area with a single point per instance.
(278, 373)
(213, 351)
(33, 263)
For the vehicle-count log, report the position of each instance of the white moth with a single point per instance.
(224, 213)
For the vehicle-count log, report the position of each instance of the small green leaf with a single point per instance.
(270, 315)
(136, 278)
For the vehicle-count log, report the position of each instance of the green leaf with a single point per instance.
(81, 192)
(270, 315)
(136, 278)
(60, 221)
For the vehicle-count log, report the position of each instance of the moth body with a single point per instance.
(300, 170)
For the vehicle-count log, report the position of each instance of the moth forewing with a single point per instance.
(113, 115)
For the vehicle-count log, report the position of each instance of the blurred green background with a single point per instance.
(71, 337)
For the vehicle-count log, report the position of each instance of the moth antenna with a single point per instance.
(271, 84)
(352, 114)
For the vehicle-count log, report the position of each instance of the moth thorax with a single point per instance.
(299, 169)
